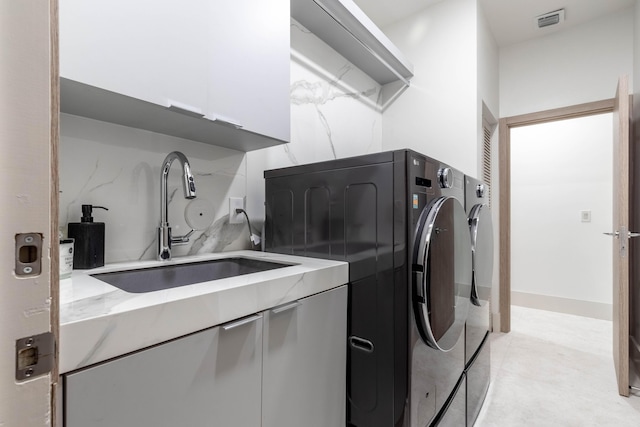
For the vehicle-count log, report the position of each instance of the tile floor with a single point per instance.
(555, 369)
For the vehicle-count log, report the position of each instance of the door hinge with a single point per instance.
(34, 356)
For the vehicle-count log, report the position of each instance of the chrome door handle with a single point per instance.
(286, 307)
(241, 322)
(616, 234)
(623, 235)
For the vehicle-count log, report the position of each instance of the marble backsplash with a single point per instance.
(334, 114)
(119, 168)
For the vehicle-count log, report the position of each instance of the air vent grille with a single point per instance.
(551, 18)
(548, 20)
(486, 157)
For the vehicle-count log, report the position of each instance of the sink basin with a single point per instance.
(176, 275)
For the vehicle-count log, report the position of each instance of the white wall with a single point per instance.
(437, 115)
(559, 169)
(574, 66)
(636, 64)
(635, 266)
(488, 67)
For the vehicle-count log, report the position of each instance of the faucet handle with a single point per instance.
(181, 240)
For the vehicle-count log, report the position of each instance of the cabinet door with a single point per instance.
(249, 65)
(304, 368)
(147, 49)
(209, 378)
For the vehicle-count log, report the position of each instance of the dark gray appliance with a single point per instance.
(441, 287)
(375, 211)
(477, 346)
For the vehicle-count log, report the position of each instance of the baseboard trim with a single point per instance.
(596, 310)
(495, 322)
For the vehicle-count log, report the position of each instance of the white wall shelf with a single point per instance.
(348, 30)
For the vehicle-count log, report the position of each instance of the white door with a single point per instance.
(28, 119)
(621, 171)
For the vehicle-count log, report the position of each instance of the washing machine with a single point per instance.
(397, 218)
(477, 344)
(441, 288)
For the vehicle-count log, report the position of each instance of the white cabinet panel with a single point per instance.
(224, 65)
(249, 65)
(304, 368)
(151, 50)
(212, 377)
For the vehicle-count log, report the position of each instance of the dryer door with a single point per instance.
(481, 227)
(442, 273)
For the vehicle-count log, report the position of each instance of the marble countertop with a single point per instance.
(99, 321)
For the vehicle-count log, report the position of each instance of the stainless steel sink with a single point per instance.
(176, 275)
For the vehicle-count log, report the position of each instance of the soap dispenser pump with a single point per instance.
(89, 240)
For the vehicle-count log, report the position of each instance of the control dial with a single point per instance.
(445, 178)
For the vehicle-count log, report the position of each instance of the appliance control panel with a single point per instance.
(445, 178)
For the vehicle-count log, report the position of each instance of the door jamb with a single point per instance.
(504, 171)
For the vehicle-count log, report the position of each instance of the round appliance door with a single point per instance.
(442, 273)
(481, 227)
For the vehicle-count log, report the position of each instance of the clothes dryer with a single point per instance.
(477, 345)
(441, 285)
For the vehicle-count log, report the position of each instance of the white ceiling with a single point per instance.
(385, 12)
(511, 21)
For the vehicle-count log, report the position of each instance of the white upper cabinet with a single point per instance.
(215, 72)
(151, 50)
(248, 64)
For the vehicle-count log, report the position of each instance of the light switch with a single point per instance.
(585, 216)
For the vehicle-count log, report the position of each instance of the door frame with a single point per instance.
(54, 146)
(622, 198)
(29, 135)
(504, 172)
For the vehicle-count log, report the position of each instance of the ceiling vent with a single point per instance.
(551, 18)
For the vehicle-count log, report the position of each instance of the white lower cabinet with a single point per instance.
(284, 367)
(210, 378)
(304, 362)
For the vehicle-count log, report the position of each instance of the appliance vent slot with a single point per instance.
(551, 18)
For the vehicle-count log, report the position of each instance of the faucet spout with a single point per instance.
(189, 187)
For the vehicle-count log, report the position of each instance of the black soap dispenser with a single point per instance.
(89, 240)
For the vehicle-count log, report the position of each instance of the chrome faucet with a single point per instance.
(165, 240)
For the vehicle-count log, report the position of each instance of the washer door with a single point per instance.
(481, 227)
(442, 273)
